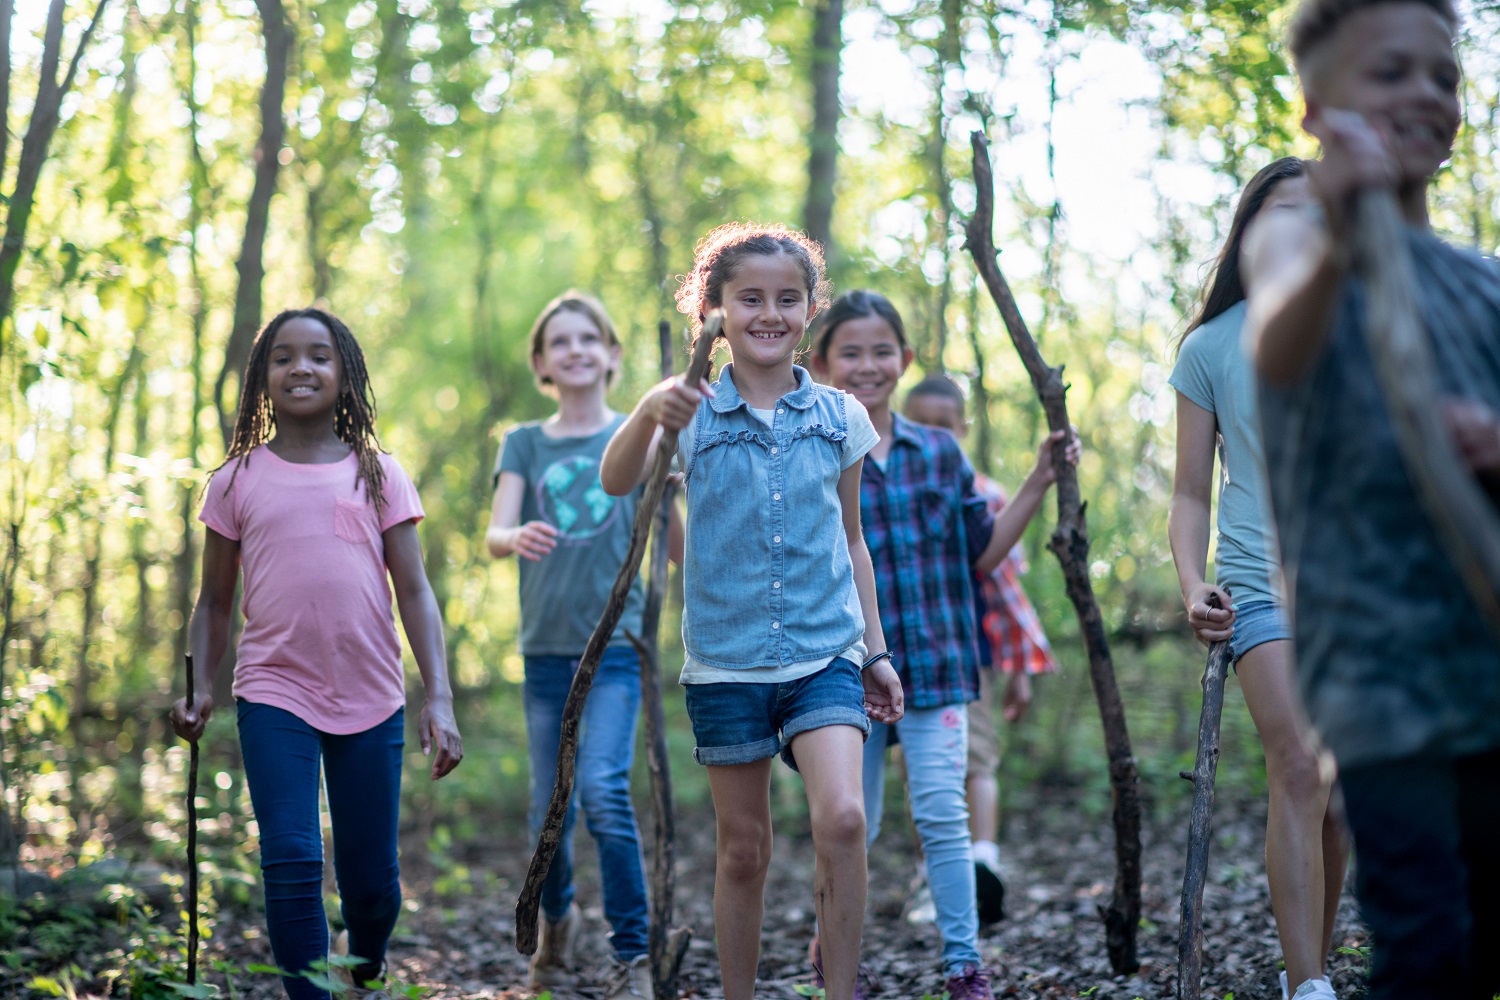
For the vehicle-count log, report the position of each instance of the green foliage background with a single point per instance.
(452, 164)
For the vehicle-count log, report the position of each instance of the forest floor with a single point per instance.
(457, 937)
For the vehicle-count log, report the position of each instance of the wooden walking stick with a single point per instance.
(1464, 517)
(546, 848)
(667, 944)
(1190, 927)
(192, 842)
(1070, 543)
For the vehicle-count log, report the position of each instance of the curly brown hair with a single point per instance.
(718, 255)
(353, 416)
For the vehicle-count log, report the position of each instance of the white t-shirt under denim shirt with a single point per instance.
(861, 437)
(1214, 372)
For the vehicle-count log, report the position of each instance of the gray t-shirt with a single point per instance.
(1394, 659)
(563, 594)
(1213, 371)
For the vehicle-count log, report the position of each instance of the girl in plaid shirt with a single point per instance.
(928, 531)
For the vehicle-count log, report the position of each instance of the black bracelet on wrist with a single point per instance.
(876, 658)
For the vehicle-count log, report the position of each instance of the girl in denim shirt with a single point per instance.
(930, 531)
(785, 652)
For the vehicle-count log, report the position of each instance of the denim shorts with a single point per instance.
(740, 723)
(1256, 623)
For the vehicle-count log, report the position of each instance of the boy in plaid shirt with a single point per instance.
(1014, 645)
(928, 531)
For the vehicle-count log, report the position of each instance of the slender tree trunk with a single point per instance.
(983, 432)
(198, 190)
(251, 264)
(1070, 543)
(7, 18)
(44, 118)
(823, 142)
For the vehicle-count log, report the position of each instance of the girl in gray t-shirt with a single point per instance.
(1216, 403)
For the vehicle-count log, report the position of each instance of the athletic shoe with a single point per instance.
(629, 980)
(552, 965)
(990, 893)
(1315, 989)
(971, 984)
(1285, 994)
(920, 908)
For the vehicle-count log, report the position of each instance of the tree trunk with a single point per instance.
(7, 18)
(823, 142)
(44, 118)
(251, 264)
(1070, 543)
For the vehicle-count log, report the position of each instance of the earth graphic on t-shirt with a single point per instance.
(572, 500)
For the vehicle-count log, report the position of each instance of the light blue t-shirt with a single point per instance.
(1214, 372)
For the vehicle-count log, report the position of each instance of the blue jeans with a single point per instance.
(936, 744)
(606, 748)
(363, 776)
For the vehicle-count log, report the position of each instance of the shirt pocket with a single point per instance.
(935, 512)
(351, 521)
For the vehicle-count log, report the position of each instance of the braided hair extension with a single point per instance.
(353, 416)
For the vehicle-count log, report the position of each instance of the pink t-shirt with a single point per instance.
(320, 636)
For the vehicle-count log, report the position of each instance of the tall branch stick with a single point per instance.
(1465, 519)
(1070, 543)
(1190, 927)
(192, 842)
(567, 749)
(667, 944)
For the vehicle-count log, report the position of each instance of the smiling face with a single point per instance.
(304, 374)
(767, 305)
(866, 359)
(1393, 63)
(575, 353)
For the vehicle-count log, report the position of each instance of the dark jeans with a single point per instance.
(1426, 832)
(606, 748)
(363, 774)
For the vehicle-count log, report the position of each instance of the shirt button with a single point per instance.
(776, 539)
(775, 496)
(776, 451)
(775, 584)
(776, 624)
(780, 410)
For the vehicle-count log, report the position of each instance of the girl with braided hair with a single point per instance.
(317, 513)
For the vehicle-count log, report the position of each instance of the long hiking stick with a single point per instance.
(667, 944)
(192, 843)
(1190, 927)
(530, 898)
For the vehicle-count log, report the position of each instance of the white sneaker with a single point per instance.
(1284, 994)
(1315, 989)
(920, 909)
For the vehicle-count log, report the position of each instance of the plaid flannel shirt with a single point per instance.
(925, 524)
(1010, 623)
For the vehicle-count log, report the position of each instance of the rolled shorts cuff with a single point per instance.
(832, 715)
(1258, 623)
(743, 753)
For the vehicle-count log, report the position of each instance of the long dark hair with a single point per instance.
(1224, 287)
(353, 417)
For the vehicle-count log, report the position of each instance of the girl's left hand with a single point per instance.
(884, 700)
(1476, 431)
(438, 730)
(1046, 470)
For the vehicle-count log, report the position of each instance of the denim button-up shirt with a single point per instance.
(766, 572)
